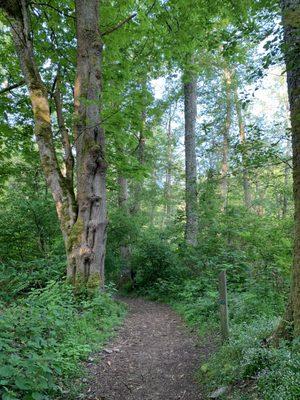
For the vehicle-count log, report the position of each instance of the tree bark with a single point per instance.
(88, 237)
(291, 26)
(225, 145)
(285, 195)
(190, 115)
(242, 134)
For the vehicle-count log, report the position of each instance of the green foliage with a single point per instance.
(18, 278)
(45, 336)
(255, 251)
(272, 373)
(29, 229)
(154, 264)
(50, 328)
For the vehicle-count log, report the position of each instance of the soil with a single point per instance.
(153, 357)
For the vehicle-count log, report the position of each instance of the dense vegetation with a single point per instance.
(194, 177)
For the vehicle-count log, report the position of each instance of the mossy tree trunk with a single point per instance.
(62, 191)
(83, 220)
(88, 239)
(290, 326)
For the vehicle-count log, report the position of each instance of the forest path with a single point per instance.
(153, 357)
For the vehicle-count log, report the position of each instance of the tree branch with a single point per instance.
(65, 138)
(119, 25)
(54, 8)
(12, 87)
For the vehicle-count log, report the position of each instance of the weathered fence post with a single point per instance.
(223, 305)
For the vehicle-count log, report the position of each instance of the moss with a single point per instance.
(94, 281)
(90, 146)
(86, 286)
(292, 18)
(75, 234)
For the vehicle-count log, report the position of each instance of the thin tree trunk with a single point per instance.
(285, 196)
(290, 19)
(124, 247)
(190, 114)
(138, 186)
(63, 194)
(259, 194)
(225, 146)
(153, 203)
(169, 167)
(64, 134)
(242, 133)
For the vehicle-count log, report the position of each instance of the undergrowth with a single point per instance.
(246, 365)
(45, 336)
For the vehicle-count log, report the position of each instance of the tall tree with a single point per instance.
(124, 246)
(190, 115)
(242, 134)
(225, 134)
(290, 326)
(168, 177)
(83, 219)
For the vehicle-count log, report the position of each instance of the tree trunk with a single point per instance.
(169, 168)
(62, 193)
(291, 25)
(225, 146)
(259, 198)
(190, 114)
(64, 134)
(83, 223)
(152, 208)
(242, 133)
(138, 185)
(285, 195)
(124, 247)
(88, 237)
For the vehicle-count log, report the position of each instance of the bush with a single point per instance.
(281, 380)
(43, 338)
(274, 373)
(271, 373)
(154, 264)
(18, 278)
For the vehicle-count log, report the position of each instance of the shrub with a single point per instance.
(155, 263)
(17, 278)
(43, 338)
(273, 373)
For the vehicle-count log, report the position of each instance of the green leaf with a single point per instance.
(7, 372)
(22, 383)
(38, 396)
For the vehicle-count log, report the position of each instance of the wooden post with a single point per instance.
(223, 305)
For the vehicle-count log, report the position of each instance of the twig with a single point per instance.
(55, 9)
(11, 87)
(119, 25)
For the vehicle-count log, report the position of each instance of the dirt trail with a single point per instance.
(154, 357)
